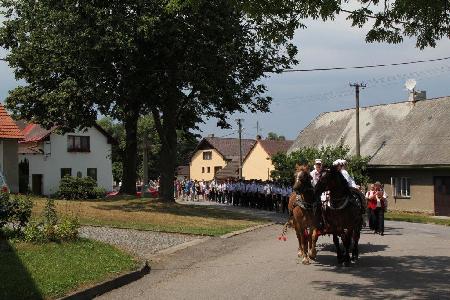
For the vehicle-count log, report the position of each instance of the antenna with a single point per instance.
(410, 84)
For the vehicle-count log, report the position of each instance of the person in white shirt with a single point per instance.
(315, 174)
(342, 165)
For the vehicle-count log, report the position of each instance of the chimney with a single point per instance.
(258, 137)
(211, 135)
(415, 96)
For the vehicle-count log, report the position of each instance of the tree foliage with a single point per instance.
(275, 137)
(285, 163)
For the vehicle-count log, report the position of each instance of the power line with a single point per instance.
(337, 68)
(365, 67)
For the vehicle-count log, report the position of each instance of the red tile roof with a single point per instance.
(273, 147)
(8, 128)
(35, 132)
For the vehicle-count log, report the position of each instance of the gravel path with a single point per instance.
(140, 243)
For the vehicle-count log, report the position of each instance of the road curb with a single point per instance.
(109, 285)
(238, 232)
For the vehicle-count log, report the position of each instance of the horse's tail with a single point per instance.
(286, 225)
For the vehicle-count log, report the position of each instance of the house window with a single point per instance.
(203, 169)
(77, 143)
(208, 169)
(217, 169)
(92, 172)
(66, 172)
(401, 187)
(207, 155)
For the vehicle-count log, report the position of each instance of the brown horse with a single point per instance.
(302, 214)
(343, 217)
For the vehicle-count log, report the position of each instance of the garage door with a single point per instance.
(442, 196)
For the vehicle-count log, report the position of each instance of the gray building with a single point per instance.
(409, 146)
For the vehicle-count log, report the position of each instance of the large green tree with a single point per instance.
(180, 60)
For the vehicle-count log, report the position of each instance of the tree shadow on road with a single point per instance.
(389, 277)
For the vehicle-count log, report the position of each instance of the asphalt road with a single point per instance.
(410, 261)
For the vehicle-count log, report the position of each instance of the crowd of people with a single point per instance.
(269, 195)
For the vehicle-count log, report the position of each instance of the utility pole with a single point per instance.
(357, 86)
(239, 121)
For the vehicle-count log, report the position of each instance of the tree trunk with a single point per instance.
(130, 155)
(168, 159)
(168, 136)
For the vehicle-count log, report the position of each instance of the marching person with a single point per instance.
(377, 202)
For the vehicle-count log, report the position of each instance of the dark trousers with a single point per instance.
(379, 219)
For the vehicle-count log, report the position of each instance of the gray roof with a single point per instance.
(397, 134)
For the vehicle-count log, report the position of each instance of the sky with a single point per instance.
(300, 97)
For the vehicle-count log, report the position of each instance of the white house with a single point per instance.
(9, 137)
(46, 156)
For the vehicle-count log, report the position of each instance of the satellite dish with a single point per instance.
(410, 84)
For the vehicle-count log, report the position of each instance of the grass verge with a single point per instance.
(415, 218)
(29, 271)
(151, 214)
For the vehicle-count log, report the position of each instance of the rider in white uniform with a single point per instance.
(342, 165)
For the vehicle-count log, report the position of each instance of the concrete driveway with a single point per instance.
(410, 261)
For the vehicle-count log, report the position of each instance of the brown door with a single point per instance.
(36, 184)
(442, 196)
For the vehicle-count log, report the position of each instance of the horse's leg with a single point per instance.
(355, 251)
(313, 251)
(305, 237)
(347, 240)
(338, 248)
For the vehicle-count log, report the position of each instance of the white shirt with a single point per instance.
(349, 179)
(315, 177)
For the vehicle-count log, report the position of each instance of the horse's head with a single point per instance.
(330, 180)
(302, 180)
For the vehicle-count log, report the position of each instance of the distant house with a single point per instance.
(409, 146)
(46, 156)
(217, 157)
(258, 163)
(182, 172)
(9, 137)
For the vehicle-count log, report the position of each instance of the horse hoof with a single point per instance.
(305, 261)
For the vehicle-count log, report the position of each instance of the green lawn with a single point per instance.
(415, 218)
(29, 271)
(151, 214)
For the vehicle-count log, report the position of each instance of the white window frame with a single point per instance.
(401, 187)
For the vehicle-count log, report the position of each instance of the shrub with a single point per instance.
(21, 210)
(49, 213)
(33, 233)
(74, 188)
(15, 209)
(67, 230)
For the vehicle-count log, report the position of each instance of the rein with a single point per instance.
(342, 206)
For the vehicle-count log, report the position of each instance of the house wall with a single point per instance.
(10, 163)
(422, 187)
(258, 164)
(50, 166)
(197, 163)
(1, 155)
